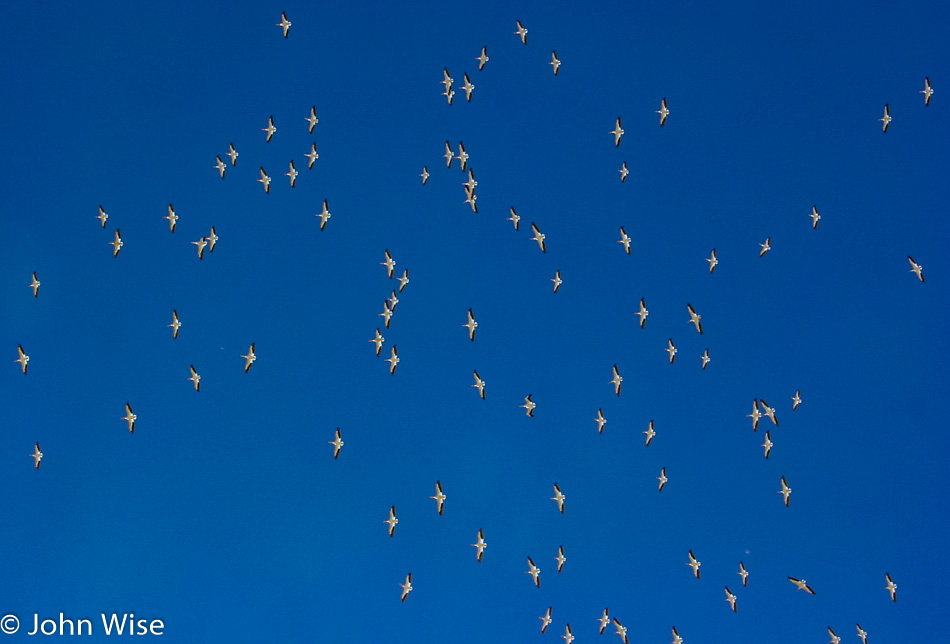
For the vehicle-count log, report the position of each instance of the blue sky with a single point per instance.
(225, 514)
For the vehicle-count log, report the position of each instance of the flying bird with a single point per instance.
(560, 558)
(797, 399)
(559, 497)
(249, 358)
(35, 285)
(37, 455)
(755, 415)
(449, 95)
(802, 585)
(378, 340)
(834, 636)
(470, 183)
(387, 312)
(706, 358)
(284, 23)
(471, 325)
(650, 433)
(292, 173)
(676, 637)
(601, 421)
(927, 91)
(624, 239)
(786, 492)
(766, 247)
(662, 479)
(172, 217)
(863, 634)
(767, 445)
(220, 165)
(539, 237)
(470, 200)
(568, 636)
(557, 280)
(694, 563)
(891, 587)
(522, 33)
(713, 261)
(916, 268)
(468, 88)
(201, 244)
(616, 380)
(814, 217)
(312, 156)
(886, 119)
(546, 619)
(694, 318)
(480, 545)
(514, 218)
(670, 349)
(482, 58)
(324, 214)
(212, 239)
(535, 572)
(744, 574)
(393, 359)
(623, 172)
(406, 587)
(604, 620)
(555, 63)
(270, 129)
(337, 443)
(447, 79)
(102, 216)
(234, 154)
(769, 412)
(462, 156)
(732, 600)
(663, 112)
(479, 384)
(621, 630)
(643, 312)
(449, 155)
(425, 174)
(265, 180)
(392, 520)
(390, 264)
(176, 324)
(439, 497)
(404, 279)
(116, 243)
(312, 119)
(528, 406)
(617, 132)
(129, 418)
(195, 378)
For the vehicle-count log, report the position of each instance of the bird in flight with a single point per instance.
(479, 384)
(671, 349)
(767, 445)
(766, 247)
(557, 280)
(797, 399)
(617, 132)
(176, 324)
(425, 174)
(471, 325)
(786, 492)
(265, 180)
(448, 155)
(560, 558)
(284, 23)
(529, 406)
(172, 217)
(604, 620)
(449, 95)
(292, 173)
(393, 359)
(755, 415)
(539, 237)
(406, 587)
(234, 154)
(535, 572)
(35, 285)
(662, 479)
(439, 497)
(462, 156)
(769, 411)
(694, 563)
(676, 637)
(201, 244)
(712, 261)
(392, 520)
(480, 545)
(220, 165)
(468, 88)
(891, 587)
(643, 312)
(694, 318)
(916, 268)
(802, 585)
(387, 312)
(744, 574)
(559, 497)
(886, 119)
(102, 216)
(482, 58)
(863, 634)
(212, 239)
(390, 264)
(663, 112)
(129, 418)
(834, 636)
(116, 243)
(249, 358)
(522, 33)
(814, 216)
(546, 619)
(404, 279)
(624, 239)
(514, 218)
(312, 156)
(927, 91)
(621, 630)
(470, 198)
(616, 380)
(470, 183)
(270, 129)
(195, 378)
(312, 119)
(650, 434)
(732, 600)
(555, 63)
(37, 455)
(337, 443)
(568, 636)
(447, 79)
(600, 420)
(324, 214)
(623, 172)
(706, 358)
(378, 340)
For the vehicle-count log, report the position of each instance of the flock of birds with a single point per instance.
(760, 408)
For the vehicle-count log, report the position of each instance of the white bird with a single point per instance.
(37, 455)
(449, 96)
(447, 79)
(643, 312)
(265, 180)
(470, 200)
(116, 243)
(706, 358)
(522, 33)
(559, 498)
(176, 324)
(482, 58)
(568, 636)
(468, 88)
(390, 264)
(514, 218)
(535, 572)
(755, 415)
(670, 349)
(621, 630)
(802, 585)
(312, 119)
(234, 154)
(195, 378)
(624, 239)
(129, 418)
(797, 399)
(425, 174)
(480, 545)
(471, 325)
(617, 132)
(479, 384)
(916, 268)
(312, 155)
(694, 563)
(528, 406)
(404, 279)
(713, 261)
(387, 312)
(172, 217)
(102, 216)
(604, 620)
(601, 421)
(616, 380)
(270, 129)
(555, 63)
(406, 587)
(35, 285)
(886, 119)
(249, 358)
(539, 237)
(891, 587)
(769, 412)
(744, 574)
(392, 520)
(863, 634)
(557, 280)
(650, 432)
(201, 244)
(292, 173)
(439, 497)
(393, 359)
(623, 172)
(378, 340)
(324, 214)
(284, 23)
(462, 156)
(663, 112)
(212, 239)
(560, 558)
(676, 637)
(786, 492)
(927, 91)
(546, 619)
(449, 155)
(694, 318)
(834, 636)
(220, 165)
(662, 479)
(766, 247)
(814, 216)
(732, 600)
(767, 445)
(470, 183)
(337, 443)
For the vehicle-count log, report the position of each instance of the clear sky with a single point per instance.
(225, 514)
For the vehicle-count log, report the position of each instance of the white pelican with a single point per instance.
(35, 285)
(201, 244)
(568, 636)
(755, 415)
(249, 358)
(766, 247)
(392, 520)
(212, 239)
(462, 156)
(797, 399)
(643, 312)
(37, 455)
(694, 318)
(265, 180)
(557, 280)
(559, 497)
(539, 237)
(560, 558)
(713, 261)
(617, 132)
(378, 340)
(116, 243)
(621, 630)
(176, 324)
(234, 154)
(522, 33)
(732, 600)
(676, 637)
(404, 279)
(891, 587)
(324, 214)
(480, 545)
(439, 497)
(284, 23)
(449, 155)
(694, 563)
(650, 433)
(769, 411)
(514, 218)
(482, 58)
(786, 492)
(616, 380)
(270, 129)
(886, 119)
(471, 325)
(468, 88)
(337, 443)
(601, 421)
(744, 574)
(663, 112)
(102, 216)
(425, 174)
(662, 479)
(814, 216)
(670, 349)
(312, 119)
(479, 384)
(767, 445)
(555, 63)
(802, 585)
(390, 264)
(292, 173)
(129, 418)
(172, 217)
(406, 587)
(535, 572)
(706, 358)
(863, 634)
(546, 619)
(624, 239)
(604, 620)
(220, 165)
(927, 91)
(393, 359)
(195, 378)
(834, 636)
(916, 268)
(528, 406)
(387, 312)
(312, 156)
